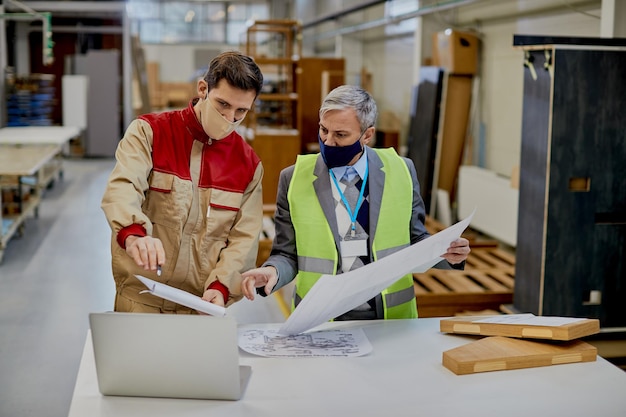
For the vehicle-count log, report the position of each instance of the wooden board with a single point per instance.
(314, 76)
(529, 326)
(456, 101)
(141, 75)
(498, 353)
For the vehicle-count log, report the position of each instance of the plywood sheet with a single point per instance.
(525, 326)
(424, 127)
(498, 353)
(266, 143)
(458, 98)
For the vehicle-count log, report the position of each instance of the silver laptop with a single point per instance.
(167, 355)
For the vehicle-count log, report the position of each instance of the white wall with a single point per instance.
(391, 65)
(500, 101)
(177, 62)
(353, 52)
(395, 62)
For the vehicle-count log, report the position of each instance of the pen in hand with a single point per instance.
(158, 270)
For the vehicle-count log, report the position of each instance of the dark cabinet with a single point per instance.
(571, 244)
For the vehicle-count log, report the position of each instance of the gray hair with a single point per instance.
(352, 96)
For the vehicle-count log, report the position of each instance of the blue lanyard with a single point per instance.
(345, 202)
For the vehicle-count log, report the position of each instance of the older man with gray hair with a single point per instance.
(345, 207)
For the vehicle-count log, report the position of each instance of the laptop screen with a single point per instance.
(166, 355)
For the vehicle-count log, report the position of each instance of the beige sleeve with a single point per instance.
(127, 185)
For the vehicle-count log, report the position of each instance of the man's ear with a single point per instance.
(368, 137)
(202, 88)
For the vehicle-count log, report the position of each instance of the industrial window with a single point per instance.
(194, 21)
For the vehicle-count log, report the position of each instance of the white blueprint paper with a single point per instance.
(333, 295)
(181, 297)
(332, 342)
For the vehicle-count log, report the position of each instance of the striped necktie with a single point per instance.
(351, 190)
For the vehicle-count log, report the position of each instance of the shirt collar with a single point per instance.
(359, 166)
(192, 123)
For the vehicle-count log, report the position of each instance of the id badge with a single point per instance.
(354, 247)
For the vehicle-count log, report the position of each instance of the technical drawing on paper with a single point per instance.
(338, 342)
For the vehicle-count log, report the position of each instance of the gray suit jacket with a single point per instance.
(284, 255)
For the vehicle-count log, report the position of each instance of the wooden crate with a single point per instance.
(486, 283)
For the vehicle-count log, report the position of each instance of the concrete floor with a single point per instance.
(51, 277)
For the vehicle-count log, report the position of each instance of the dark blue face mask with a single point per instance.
(338, 156)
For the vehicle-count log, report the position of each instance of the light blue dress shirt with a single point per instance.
(351, 171)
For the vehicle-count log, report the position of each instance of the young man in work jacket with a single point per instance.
(320, 231)
(185, 198)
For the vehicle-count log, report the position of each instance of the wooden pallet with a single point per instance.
(433, 227)
(486, 283)
(490, 258)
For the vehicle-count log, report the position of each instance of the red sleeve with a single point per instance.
(132, 230)
(216, 285)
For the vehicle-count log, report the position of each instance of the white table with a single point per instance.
(38, 135)
(403, 376)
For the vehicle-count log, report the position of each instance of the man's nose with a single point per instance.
(329, 141)
(229, 115)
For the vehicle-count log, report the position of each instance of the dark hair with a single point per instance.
(239, 70)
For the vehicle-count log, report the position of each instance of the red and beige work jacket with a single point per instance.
(202, 198)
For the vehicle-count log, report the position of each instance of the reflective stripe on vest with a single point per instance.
(311, 228)
(317, 252)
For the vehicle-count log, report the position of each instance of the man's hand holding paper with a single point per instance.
(457, 251)
(182, 297)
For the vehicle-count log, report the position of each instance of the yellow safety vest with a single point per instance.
(317, 252)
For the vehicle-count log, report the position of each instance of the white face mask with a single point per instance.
(213, 123)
